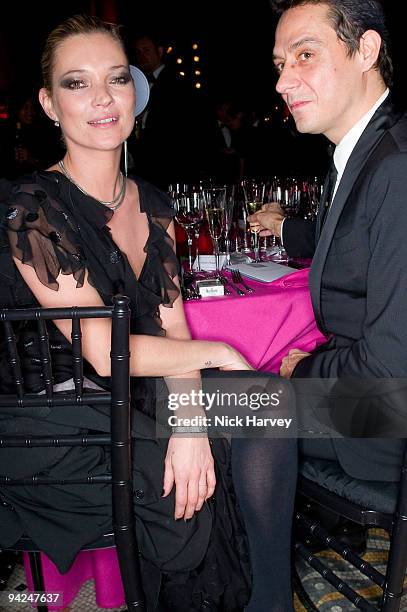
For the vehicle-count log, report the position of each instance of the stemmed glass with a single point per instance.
(291, 200)
(228, 218)
(290, 203)
(314, 190)
(175, 189)
(188, 212)
(278, 193)
(254, 199)
(215, 199)
(198, 201)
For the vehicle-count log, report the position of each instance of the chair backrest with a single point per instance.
(118, 398)
(17, 401)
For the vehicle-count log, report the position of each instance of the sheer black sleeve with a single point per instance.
(41, 234)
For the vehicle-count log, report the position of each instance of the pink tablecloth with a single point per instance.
(263, 326)
(102, 566)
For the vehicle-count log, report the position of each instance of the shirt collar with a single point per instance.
(344, 149)
(158, 70)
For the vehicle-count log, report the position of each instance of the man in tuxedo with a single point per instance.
(166, 147)
(223, 142)
(334, 72)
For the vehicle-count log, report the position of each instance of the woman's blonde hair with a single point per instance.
(78, 24)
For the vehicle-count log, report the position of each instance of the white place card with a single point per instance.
(208, 262)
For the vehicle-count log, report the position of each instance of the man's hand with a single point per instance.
(189, 465)
(269, 219)
(290, 361)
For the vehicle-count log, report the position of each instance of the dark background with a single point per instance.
(236, 40)
(235, 47)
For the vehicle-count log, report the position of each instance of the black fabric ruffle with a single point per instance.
(51, 225)
(41, 235)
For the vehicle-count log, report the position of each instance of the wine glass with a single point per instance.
(290, 202)
(188, 213)
(254, 192)
(215, 199)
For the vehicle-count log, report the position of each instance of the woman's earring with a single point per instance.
(56, 123)
(126, 160)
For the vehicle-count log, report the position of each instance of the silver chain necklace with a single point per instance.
(113, 204)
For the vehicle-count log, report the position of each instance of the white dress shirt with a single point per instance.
(227, 136)
(344, 149)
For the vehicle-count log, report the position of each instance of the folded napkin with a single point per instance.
(296, 279)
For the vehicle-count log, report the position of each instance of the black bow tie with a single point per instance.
(151, 78)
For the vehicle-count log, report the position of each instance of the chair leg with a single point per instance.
(37, 575)
(130, 571)
(396, 568)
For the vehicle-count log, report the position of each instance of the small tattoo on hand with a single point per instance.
(208, 363)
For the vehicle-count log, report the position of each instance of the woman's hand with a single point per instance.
(234, 360)
(189, 465)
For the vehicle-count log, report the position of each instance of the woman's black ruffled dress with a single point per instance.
(47, 223)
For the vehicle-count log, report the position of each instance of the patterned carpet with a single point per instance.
(321, 593)
(324, 596)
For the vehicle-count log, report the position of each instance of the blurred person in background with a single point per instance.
(165, 145)
(224, 141)
(30, 142)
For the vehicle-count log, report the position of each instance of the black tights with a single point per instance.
(264, 475)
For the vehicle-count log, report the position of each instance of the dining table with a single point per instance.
(263, 324)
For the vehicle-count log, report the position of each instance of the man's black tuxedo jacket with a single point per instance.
(358, 281)
(299, 237)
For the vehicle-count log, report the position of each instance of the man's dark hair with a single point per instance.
(350, 19)
(155, 37)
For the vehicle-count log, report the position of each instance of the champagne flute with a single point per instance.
(215, 213)
(278, 193)
(254, 193)
(314, 189)
(198, 205)
(229, 208)
(253, 208)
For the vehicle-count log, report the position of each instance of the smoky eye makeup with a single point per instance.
(122, 79)
(72, 83)
(77, 83)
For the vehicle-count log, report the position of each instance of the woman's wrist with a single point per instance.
(190, 429)
(222, 355)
